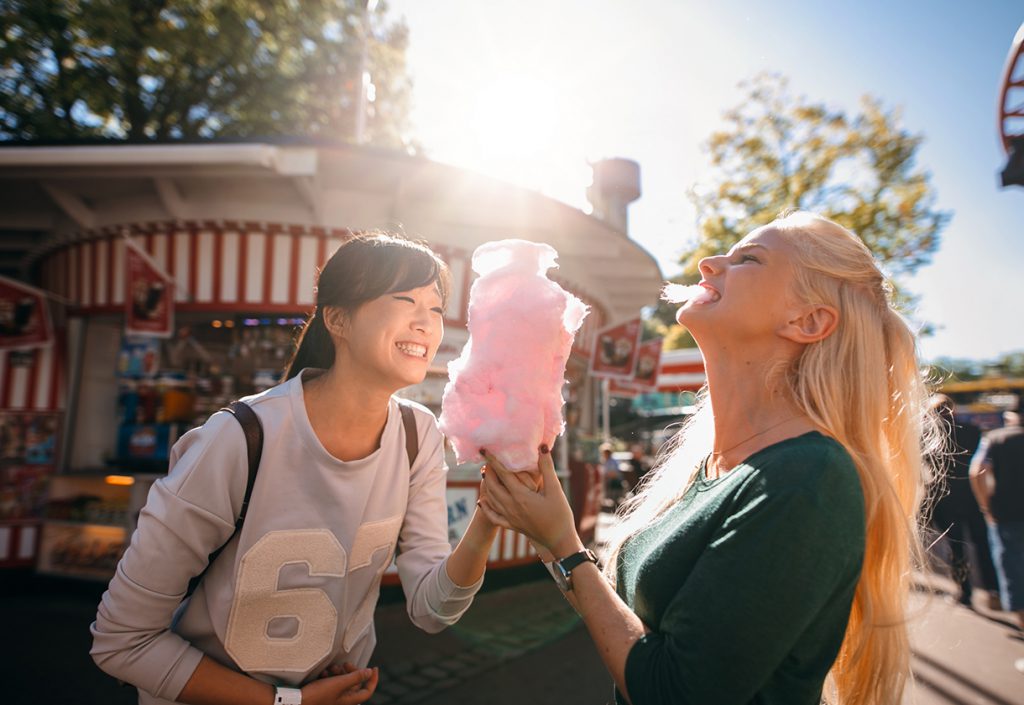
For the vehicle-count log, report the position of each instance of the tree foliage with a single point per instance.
(179, 69)
(779, 152)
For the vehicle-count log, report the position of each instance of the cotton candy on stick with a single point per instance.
(504, 392)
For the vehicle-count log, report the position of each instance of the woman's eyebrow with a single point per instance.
(747, 246)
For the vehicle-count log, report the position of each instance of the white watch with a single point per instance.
(288, 696)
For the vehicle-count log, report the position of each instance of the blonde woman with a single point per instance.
(766, 559)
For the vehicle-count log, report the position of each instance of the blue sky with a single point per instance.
(527, 91)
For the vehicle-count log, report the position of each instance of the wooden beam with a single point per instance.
(72, 205)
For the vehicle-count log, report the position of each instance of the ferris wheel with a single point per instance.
(1011, 112)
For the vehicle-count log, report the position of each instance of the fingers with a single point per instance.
(547, 471)
(493, 516)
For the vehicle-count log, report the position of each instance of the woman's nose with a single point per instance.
(710, 265)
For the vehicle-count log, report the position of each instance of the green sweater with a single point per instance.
(746, 583)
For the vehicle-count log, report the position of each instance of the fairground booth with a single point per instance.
(154, 284)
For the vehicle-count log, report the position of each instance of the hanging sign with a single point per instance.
(615, 351)
(149, 305)
(24, 316)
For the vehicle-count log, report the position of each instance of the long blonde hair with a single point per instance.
(862, 386)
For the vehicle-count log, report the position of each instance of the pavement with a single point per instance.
(520, 642)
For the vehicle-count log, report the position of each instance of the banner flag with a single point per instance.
(149, 305)
(24, 316)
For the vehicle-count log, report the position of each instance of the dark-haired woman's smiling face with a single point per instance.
(394, 337)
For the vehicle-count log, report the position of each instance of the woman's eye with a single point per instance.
(438, 310)
(748, 258)
(404, 298)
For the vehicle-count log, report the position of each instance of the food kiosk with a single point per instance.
(239, 230)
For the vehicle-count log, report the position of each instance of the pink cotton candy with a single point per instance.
(505, 390)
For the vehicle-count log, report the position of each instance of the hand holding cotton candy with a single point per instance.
(505, 390)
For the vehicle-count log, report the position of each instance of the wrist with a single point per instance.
(566, 546)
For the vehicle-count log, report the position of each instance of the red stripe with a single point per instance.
(55, 366)
(243, 264)
(149, 244)
(171, 247)
(218, 254)
(268, 264)
(5, 401)
(94, 285)
(293, 271)
(111, 274)
(193, 262)
(681, 369)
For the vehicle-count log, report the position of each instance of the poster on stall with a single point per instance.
(28, 437)
(615, 351)
(647, 364)
(149, 306)
(24, 316)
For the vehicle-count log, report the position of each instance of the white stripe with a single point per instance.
(26, 542)
(44, 379)
(521, 546)
(118, 274)
(508, 546)
(332, 246)
(87, 249)
(229, 267)
(160, 251)
(679, 380)
(73, 272)
(255, 256)
(307, 269)
(282, 266)
(204, 268)
(182, 244)
(19, 387)
(102, 254)
(5, 542)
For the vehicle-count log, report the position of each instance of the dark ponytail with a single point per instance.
(314, 347)
(362, 269)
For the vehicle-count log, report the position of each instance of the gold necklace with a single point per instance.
(719, 453)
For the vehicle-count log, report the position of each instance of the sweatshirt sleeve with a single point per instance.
(432, 599)
(782, 559)
(188, 514)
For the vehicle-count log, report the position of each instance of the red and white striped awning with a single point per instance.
(233, 267)
(681, 370)
(33, 380)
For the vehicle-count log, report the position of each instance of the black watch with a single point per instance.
(561, 570)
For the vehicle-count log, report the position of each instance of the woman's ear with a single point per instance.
(812, 323)
(334, 320)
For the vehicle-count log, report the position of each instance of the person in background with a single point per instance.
(285, 612)
(997, 478)
(955, 512)
(768, 558)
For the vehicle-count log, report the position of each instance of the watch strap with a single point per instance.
(570, 562)
(287, 696)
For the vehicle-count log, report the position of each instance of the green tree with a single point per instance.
(779, 152)
(179, 69)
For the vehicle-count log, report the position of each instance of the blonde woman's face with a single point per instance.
(750, 287)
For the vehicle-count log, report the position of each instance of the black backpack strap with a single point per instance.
(412, 441)
(253, 430)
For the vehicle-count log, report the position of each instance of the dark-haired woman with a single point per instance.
(285, 612)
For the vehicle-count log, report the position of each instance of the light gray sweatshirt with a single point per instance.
(295, 590)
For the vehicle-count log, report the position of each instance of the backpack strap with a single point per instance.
(253, 430)
(412, 441)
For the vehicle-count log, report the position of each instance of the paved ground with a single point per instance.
(519, 643)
